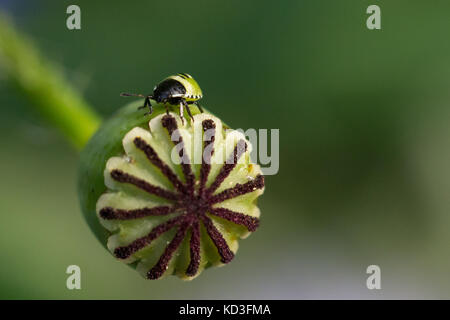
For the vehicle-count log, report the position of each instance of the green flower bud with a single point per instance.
(169, 196)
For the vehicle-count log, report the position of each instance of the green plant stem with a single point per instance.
(44, 84)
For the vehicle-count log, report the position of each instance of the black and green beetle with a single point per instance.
(180, 89)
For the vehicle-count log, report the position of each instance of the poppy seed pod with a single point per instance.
(168, 196)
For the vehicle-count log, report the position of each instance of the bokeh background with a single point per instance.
(364, 143)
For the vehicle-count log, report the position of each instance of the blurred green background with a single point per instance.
(364, 143)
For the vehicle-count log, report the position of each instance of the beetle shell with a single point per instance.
(167, 89)
(181, 85)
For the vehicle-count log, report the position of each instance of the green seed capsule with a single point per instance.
(167, 196)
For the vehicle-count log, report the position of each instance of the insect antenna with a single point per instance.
(126, 94)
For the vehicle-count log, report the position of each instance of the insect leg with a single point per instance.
(181, 112)
(199, 107)
(167, 108)
(187, 109)
(147, 103)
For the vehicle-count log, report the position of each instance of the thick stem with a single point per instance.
(44, 84)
